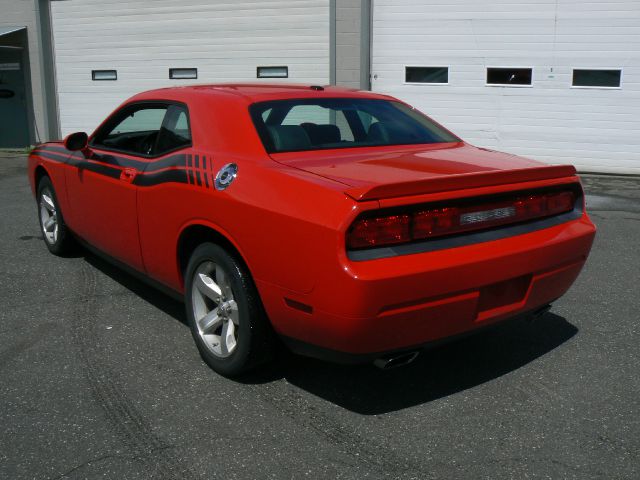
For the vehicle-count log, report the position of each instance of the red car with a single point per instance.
(346, 223)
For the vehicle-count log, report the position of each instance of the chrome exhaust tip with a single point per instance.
(393, 361)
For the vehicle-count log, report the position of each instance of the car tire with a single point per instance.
(55, 232)
(225, 313)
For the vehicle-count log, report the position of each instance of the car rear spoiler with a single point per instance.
(459, 182)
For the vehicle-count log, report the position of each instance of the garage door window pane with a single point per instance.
(509, 76)
(183, 73)
(272, 72)
(426, 74)
(104, 75)
(596, 78)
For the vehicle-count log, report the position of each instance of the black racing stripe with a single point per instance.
(192, 172)
(166, 176)
(167, 162)
(97, 168)
(199, 169)
(189, 168)
(125, 162)
(52, 156)
(196, 166)
(53, 148)
(118, 161)
(112, 165)
(205, 171)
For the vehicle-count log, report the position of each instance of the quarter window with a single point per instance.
(174, 132)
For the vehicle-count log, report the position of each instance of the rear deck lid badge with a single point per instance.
(226, 175)
(487, 215)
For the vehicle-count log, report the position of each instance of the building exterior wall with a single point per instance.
(348, 14)
(27, 13)
(592, 128)
(142, 40)
(352, 43)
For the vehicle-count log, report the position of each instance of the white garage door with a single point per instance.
(596, 128)
(142, 40)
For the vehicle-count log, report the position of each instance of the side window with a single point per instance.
(144, 120)
(135, 131)
(175, 132)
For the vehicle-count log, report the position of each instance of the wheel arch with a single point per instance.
(198, 233)
(38, 173)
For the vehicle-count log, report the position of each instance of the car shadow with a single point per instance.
(148, 293)
(436, 373)
(367, 390)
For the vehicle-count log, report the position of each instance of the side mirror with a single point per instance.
(76, 141)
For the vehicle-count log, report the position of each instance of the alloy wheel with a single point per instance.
(48, 217)
(215, 309)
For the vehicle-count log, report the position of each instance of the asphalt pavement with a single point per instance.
(99, 378)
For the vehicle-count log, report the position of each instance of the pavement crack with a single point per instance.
(87, 464)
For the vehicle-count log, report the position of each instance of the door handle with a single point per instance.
(128, 175)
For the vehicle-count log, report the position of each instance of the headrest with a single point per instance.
(377, 133)
(319, 134)
(289, 137)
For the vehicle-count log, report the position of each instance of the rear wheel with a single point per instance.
(54, 231)
(224, 312)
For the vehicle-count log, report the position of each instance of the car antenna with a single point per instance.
(316, 87)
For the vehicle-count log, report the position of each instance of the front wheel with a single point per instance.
(224, 311)
(54, 230)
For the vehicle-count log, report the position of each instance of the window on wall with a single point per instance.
(98, 75)
(509, 76)
(602, 78)
(433, 75)
(272, 72)
(183, 73)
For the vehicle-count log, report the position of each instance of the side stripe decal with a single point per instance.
(166, 176)
(179, 168)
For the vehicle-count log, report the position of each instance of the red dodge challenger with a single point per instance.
(346, 223)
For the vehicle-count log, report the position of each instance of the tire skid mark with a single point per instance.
(37, 335)
(380, 458)
(135, 431)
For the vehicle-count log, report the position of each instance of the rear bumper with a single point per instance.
(346, 358)
(394, 304)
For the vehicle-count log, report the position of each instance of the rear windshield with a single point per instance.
(316, 124)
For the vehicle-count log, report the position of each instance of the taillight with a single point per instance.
(376, 231)
(424, 223)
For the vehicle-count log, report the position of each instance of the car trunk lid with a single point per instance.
(376, 173)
